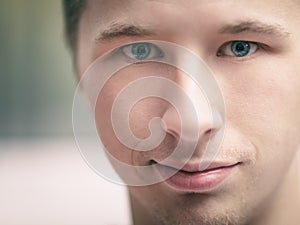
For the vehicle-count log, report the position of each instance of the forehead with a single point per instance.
(160, 13)
(106, 8)
(167, 16)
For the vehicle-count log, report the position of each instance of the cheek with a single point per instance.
(103, 117)
(263, 104)
(106, 133)
(138, 117)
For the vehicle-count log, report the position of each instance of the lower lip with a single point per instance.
(196, 181)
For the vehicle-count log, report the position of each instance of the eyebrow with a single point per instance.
(117, 30)
(255, 27)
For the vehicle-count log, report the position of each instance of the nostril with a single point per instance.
(208, 132)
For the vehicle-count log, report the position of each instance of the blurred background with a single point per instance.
(36, 73)
(43, 179)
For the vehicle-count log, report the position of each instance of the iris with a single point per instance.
(240, 48)
(141, 51)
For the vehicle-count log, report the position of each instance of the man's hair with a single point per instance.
(72, 13)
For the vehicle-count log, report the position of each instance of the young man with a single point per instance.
(252, 49)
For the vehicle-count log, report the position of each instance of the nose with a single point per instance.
(207, 122)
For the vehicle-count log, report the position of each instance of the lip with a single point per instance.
(190, 179)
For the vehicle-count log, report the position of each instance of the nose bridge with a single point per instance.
(198, 98)
(207, 119)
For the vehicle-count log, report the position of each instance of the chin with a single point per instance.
(196, 209)
(196, 217)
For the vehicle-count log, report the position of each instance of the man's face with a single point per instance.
(252, 48)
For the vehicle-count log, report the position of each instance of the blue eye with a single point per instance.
(238, 49)
(142, 51)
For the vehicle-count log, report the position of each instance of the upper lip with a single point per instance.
(195, 167)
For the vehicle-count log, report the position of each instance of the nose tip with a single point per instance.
(207, 123)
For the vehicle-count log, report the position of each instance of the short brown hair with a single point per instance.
(72, 13)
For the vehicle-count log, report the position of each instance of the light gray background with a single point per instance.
(43, 179)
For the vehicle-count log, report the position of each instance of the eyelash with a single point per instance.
(155, 52)
(253, 48)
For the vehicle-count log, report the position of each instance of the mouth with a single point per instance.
(191, 179)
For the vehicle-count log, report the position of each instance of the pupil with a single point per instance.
(141, 51)
(240, 48)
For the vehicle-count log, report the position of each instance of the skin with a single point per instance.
(261, 93)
